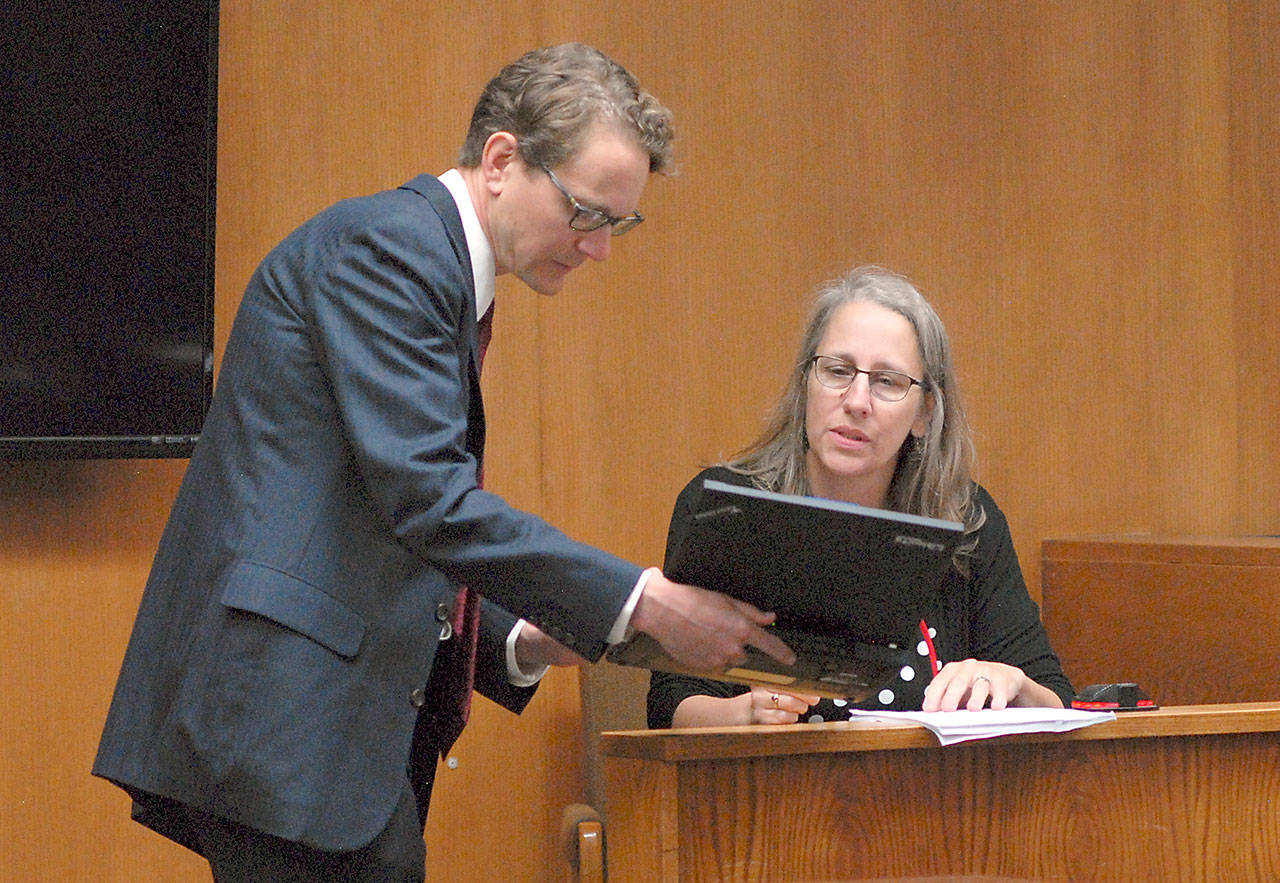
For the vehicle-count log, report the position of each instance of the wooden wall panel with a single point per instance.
(1255, 127)
(1086, 190)
(76, 539)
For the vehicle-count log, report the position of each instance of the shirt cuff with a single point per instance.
(622, 624)
(515, 674)
(519, 678)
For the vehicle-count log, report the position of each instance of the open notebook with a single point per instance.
(848, 584)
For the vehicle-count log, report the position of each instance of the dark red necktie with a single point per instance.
(454, 669)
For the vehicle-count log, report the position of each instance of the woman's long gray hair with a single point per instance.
(934, 473)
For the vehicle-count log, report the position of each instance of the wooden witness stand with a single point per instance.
(1185, 793)
(1190, 619)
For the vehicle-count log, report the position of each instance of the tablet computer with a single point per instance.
(848, 583)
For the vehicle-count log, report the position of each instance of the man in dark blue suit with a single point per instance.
(304, 650)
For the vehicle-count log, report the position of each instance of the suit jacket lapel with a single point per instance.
(441, 201)
(430, 188)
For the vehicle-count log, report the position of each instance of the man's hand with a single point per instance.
(534, 649)
(704, 629)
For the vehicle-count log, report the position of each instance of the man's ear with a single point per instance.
(500, 151)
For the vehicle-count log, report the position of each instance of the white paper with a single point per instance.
(960, 726)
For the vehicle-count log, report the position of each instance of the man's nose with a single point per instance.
(597, 244)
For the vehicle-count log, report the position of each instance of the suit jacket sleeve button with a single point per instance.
(418, 697)
(443, 612)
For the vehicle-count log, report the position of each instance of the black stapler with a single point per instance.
(1113, 697)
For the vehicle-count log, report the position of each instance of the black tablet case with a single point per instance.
(848, 583)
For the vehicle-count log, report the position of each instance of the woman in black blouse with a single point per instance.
(871, 415)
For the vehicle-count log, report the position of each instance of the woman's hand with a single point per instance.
(770, 706)
(974, 684)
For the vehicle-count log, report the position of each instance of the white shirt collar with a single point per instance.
(482, 266)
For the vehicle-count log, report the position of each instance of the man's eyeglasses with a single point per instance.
(888, 386)
(585, 220)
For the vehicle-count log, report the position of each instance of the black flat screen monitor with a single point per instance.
(109, 115)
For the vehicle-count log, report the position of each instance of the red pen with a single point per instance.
(934, 665)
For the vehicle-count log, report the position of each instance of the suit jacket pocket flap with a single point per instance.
(294, 604)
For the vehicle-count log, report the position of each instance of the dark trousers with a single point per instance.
(239, 854)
